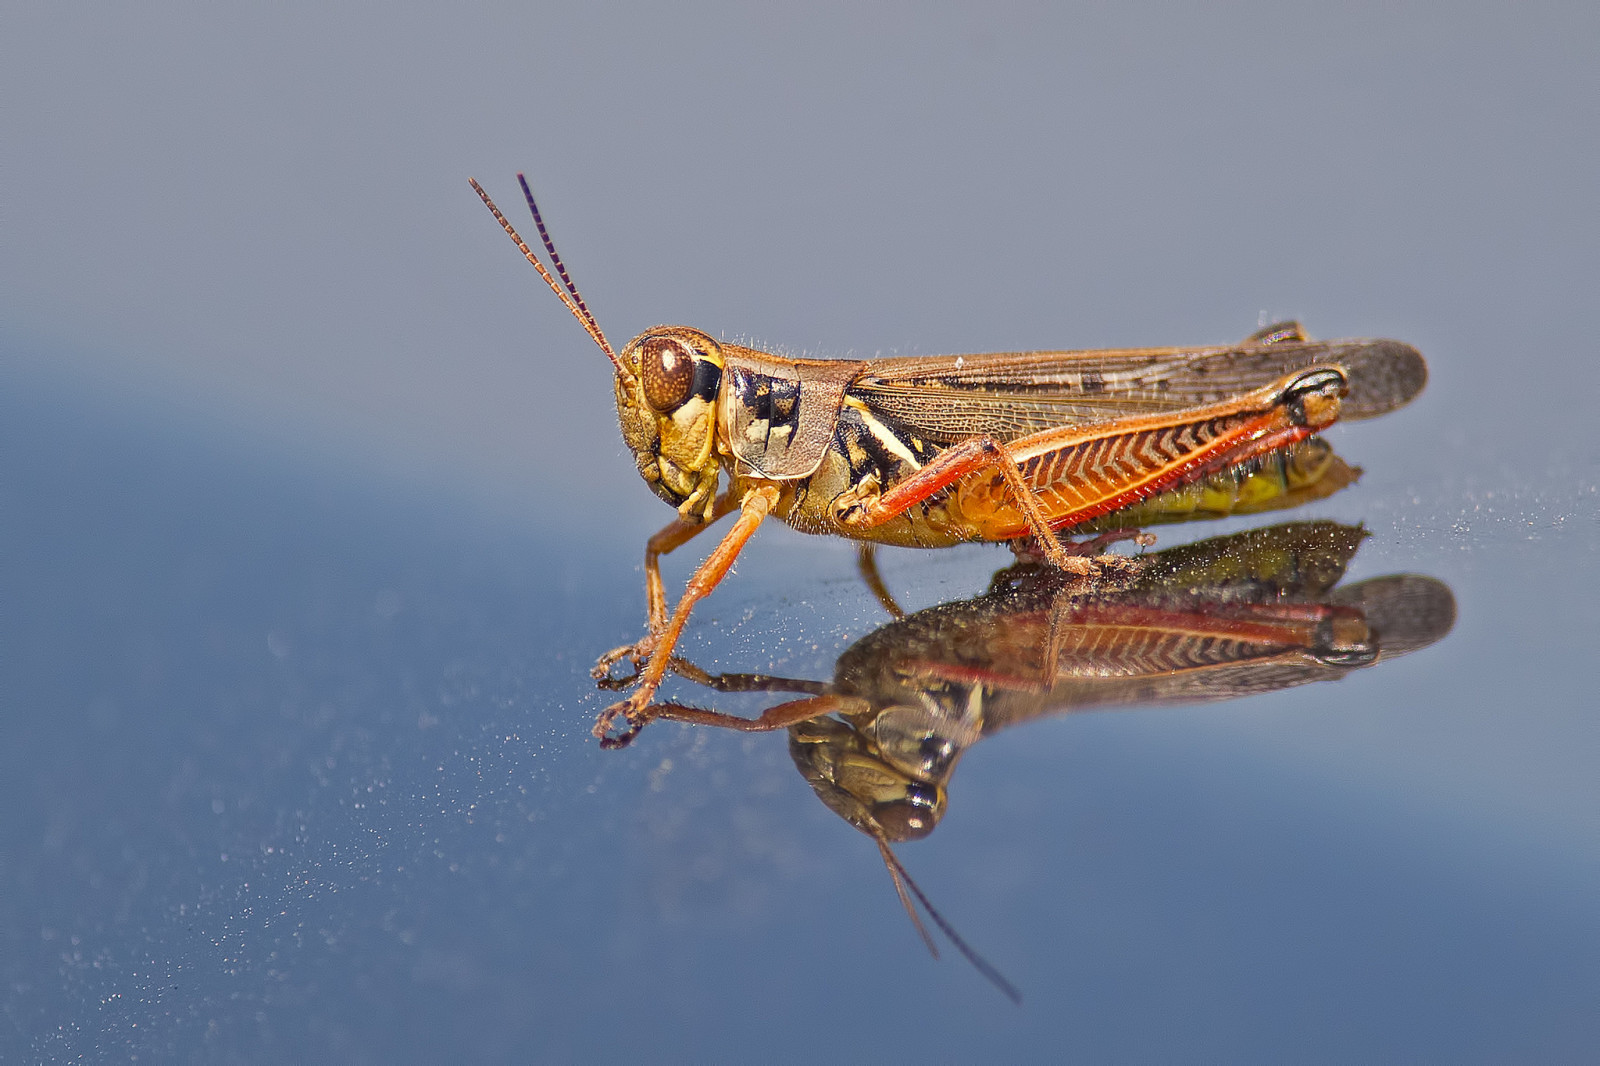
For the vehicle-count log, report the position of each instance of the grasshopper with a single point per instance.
(1235, 616)
(943, 450)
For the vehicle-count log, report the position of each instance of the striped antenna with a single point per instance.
(555, 256)
(569, 295)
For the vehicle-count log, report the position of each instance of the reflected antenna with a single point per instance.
(903, 881)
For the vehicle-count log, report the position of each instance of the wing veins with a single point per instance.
(1011, 394)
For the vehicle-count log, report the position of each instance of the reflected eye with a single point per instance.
(911, 818)
(918, 741)
(667, 367)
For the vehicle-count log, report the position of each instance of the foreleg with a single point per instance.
(755, 506)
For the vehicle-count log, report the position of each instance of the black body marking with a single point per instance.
(707, 380)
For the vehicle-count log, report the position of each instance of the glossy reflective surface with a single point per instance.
(313, 516)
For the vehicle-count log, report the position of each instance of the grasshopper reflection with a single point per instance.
(1220, 619)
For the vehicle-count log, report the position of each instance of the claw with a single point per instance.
(622, 739)
(604, 678)
(1097, 545)
(636, 707)
(607, 718)
(637, 653)
(1079, 553)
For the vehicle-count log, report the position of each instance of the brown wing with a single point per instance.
(1007, 395)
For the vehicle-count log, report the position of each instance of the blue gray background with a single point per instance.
(313, 514)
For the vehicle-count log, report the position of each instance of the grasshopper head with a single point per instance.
(667, 381)
(885, 772)
(864, 784)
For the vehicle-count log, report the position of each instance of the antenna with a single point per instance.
(555, 256)
(568, 296)
(903, 881)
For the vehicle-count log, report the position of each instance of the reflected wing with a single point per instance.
(1007, 395)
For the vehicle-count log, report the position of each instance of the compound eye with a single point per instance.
(667, 366)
